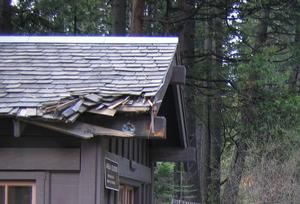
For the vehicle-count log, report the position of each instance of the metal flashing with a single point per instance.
(87, 39)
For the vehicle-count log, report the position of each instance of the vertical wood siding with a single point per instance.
(135, 149)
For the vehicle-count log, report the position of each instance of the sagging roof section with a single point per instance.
(58, 78)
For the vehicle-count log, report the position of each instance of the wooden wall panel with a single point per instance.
(120, 146)
(134, 149)
(40, 159)
(147, 150)
(130, 149)
(113, 145)
(126, 146)
(101, 192)
(143, 187)
(87, 177)
(64, 188)
(144, 153)
(39, 142)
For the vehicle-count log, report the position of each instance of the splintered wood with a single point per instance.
(69, 109)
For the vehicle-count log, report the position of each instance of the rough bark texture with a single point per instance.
(119, 17)
(215, 116)
(206, 116)
(5, 16)
(249, 115)
(294, 79)
(136, 26)
(187, 51)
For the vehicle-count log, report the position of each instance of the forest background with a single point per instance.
(242, 92)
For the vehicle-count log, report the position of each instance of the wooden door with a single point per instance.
(126, 194)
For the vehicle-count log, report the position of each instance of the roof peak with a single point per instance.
(86, 39)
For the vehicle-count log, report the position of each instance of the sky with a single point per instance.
(14, 2)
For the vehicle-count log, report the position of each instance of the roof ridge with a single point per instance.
(89, 39)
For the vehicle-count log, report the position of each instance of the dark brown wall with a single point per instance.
(64, 188)
(71, 171)
(135, 149)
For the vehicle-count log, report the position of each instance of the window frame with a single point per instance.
(41, 180)
(9, 183)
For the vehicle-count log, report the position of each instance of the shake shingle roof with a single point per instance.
(61, 77)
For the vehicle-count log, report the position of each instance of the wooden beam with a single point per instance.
(160, 124)
(139, 125)
(179, 106)
(80, 129)
(178, 75)
(40, 159)
(173, 154)
(128, 126)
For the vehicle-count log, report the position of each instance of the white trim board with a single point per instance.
(88, 39)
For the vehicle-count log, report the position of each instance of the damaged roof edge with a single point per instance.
(86, 39)
(166, 81)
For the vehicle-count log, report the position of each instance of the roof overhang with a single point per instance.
(141, 126)
(121, 114)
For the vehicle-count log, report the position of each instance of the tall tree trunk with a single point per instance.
(119, 17)
(206, 116)
(187, 35)
(187, 52)
(295, 73)
(137, 14)
(249, 116)
(5, 17)
(215, 116)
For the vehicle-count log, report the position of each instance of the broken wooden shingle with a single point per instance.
(65, 78)
(93, 97)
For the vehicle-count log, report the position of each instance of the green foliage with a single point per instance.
(275, 106)
(164, 182)
(62, 17)
(253, 78)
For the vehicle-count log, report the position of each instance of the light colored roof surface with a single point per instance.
(88, 39)
(37, 74)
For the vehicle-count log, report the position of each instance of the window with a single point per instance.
(126, 194)
(17, 192)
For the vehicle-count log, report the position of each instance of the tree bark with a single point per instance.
(119, 17)
(187, 52)
(215, 116)
(5, 17)
(137, 14)
(187, 35)
(294, 78)
(206, 116)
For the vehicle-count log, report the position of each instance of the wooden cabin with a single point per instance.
(83, 119)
